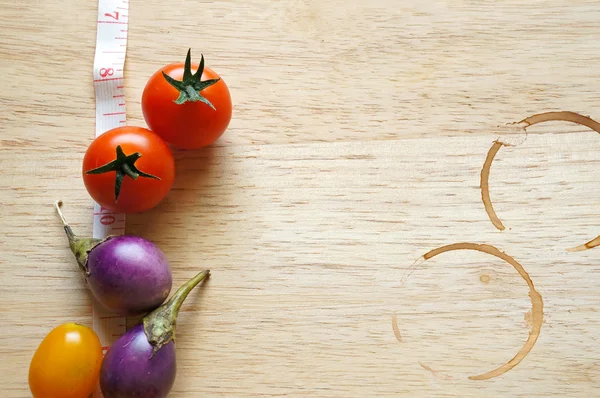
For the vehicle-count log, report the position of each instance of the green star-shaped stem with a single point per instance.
(191, 85)
(123, 165)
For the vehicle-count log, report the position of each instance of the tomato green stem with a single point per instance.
(123, 165)
(159, 325)
(191, 85)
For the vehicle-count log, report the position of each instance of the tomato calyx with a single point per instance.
(123, 165)
(190, 87)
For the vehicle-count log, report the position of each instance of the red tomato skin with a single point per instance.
(191, 125)
(139, 195)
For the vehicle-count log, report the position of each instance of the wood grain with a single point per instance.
(358, 137)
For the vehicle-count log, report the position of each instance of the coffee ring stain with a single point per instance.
(485, 187)
(436, 373)
(396, 329)
(537, 304)
(593, 243)
(565, 116)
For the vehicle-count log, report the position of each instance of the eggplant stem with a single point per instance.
(57, 205)
(68, 230)
(160, 324)
(79, 246)
(175, 302)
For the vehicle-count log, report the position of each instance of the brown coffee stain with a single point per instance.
(396, 329)
(410, 270)
(484, 279)
(485, 186)
(563, 116)
(436, 373)
(591, 372)
(528, 317)
(591, 244)
(537, 305)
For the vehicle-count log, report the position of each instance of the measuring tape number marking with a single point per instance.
(109, 63)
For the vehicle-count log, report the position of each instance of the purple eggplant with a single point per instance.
(141, 363)
(126, 274)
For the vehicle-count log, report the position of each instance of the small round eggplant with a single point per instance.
(126, 274)
(141, 363)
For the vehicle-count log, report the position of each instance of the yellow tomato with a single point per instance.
(66, 363)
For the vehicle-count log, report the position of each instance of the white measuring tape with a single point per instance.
(109, 63)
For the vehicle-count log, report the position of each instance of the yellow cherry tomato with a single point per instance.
(66, 364)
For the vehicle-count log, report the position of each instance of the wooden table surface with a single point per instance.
(358, 136)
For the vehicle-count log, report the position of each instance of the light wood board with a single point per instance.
(358, 135)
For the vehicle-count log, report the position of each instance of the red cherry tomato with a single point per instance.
(200, 118)
(66, 364)
(139, 158)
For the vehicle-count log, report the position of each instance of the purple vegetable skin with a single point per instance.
(129, 371)
(127, 274)
(141, 363)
